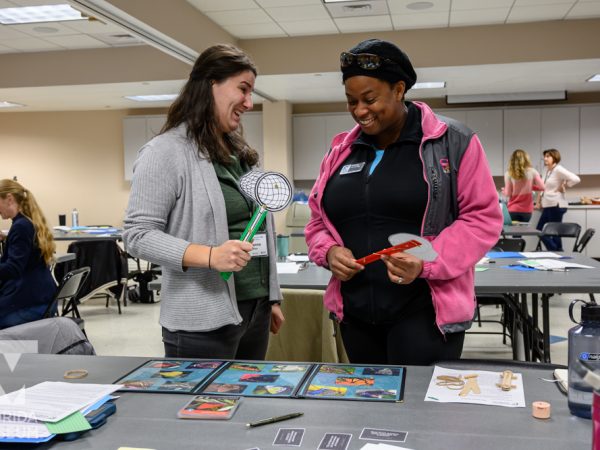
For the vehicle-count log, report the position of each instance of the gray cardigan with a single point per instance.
(176, 200)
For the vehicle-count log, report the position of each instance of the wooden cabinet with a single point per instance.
(137, 130)
(488, 124)
(589, 144)
(522, 129)
(312, 134)
(593, 221)
(560, 130)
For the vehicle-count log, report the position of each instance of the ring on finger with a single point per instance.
(399, 280)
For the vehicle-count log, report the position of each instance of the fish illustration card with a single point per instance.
(173, 376)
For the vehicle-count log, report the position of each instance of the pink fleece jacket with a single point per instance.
(459, 246)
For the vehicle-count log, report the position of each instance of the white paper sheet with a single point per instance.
(552, 264)
(490, 393)
(52, 401)
(536, 255)
(287, 267)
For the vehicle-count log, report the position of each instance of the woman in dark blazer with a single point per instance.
(26, 284)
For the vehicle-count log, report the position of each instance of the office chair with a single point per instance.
(559, 230)
(108, 269)
(503, 245)
(583, 241)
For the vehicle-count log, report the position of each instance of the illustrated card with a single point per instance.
(289, 437)
(335, 441)
(356, 382)
(175, 376)
(209, 407)
(383, 435)
(258, 379)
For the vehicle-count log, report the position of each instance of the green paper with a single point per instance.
(481, 269)
(70, 424)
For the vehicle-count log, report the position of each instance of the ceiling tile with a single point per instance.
(537, 14)
(478, 16)
(254, 31)
(117, 39)
(220, 5)
(239, 17)
(421, 20)
(93, 26)
(296, 13)
(543, 3)
(275, 3)
(399, 7)
(6, 49)
(585, 10)
(10, 32)
(309, 27)
(359, 24)
(478, 4)
(30, 44)
(77, 41)
(42, 30)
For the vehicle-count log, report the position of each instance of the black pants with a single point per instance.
(247, 340)
(551, 214)
(413, 340)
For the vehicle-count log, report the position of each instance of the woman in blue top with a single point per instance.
(26, 284)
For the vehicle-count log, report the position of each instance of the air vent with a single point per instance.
(358, 9)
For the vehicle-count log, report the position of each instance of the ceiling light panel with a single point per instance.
(594, 78)
(10, 105)
(152, 98)
(34, 14)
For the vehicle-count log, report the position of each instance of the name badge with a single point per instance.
(260, 245)
(352, 168)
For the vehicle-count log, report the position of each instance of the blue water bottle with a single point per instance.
(584, 345)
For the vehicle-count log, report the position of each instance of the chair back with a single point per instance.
(560, 229)
(510, 245)
(106, 260)
(67, 291)
(585, 238)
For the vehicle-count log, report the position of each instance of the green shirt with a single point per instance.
(253, 280)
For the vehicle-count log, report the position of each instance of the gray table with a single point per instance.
(149, 420)
(499, 280)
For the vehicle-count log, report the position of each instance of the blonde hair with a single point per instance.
(30, 209)
(519, 163)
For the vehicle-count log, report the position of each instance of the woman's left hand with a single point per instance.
(277, 318)
(403, 268)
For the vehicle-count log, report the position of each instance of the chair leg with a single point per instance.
(479, 315)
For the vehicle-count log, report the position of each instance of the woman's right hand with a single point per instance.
(231, 256)
(342, 263)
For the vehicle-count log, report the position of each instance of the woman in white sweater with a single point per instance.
(553, 201)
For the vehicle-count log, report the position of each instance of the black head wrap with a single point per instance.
(397, 68)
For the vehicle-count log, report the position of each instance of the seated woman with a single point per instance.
(26, 284)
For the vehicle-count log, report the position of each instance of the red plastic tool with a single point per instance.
(388, 251)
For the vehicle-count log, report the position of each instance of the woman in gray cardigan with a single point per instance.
(186, 213)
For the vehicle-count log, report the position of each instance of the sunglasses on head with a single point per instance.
(366, 61)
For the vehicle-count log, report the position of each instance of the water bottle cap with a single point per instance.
(590, 312)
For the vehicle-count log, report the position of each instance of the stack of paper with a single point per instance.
(35, 414)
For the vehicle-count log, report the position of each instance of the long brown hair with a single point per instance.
(519, 163)
(29, 207)
(195, 105)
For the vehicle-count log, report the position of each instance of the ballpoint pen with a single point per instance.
(274, 419)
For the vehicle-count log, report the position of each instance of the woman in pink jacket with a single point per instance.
(401, 169)
(520, 180)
